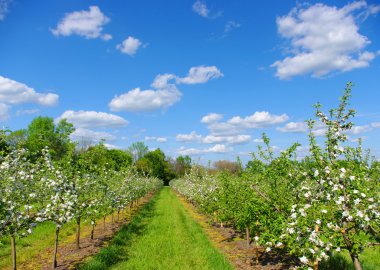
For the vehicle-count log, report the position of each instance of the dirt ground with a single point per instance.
(235, 247)
(69, 257)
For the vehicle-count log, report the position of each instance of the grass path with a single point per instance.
(161, 236)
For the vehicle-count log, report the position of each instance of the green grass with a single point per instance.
(370, 260)
(161, 236)
(38, 242)
(27, 247)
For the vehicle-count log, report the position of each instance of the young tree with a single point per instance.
(61, 197)
(338, 203)
(17, 185)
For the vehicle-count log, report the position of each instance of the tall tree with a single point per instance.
(182, 165)
(43, 132)
(138, 150)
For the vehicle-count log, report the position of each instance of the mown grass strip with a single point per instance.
(161, 236)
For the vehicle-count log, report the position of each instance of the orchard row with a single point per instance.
(38, 190)
(310, 208)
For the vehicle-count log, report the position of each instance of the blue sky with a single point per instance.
(203, 78)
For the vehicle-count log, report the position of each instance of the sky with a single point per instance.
(199, 78)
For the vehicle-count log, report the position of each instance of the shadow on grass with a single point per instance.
(117, 250)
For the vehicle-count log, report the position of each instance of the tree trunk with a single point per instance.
(13, 247)
(355, 260)
(247, 235)
(257, 253)
(55, 264)
(104, 223)
(316, 262)
(92, 231)
(118, 215)
(78, 234)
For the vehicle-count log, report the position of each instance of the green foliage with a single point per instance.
(326, 203)
(42, 132)
(138, 150)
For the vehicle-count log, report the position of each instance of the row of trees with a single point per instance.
(73, 189)
(44, 176)
(312, 208)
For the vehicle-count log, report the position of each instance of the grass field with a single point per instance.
(161, 236)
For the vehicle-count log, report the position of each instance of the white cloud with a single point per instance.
(13, 92)
(129, 46)
(237, 139)
(356, 140)
(323, 39)
(93, 136)
(164, 94)
(238, 124)
(4, 4)
(258, 140)
(111, 146)
(375, 124)
(212, 139)
(4, 112)
(27, 112)
(211, 118)
(162, 81)
(359, 129)
(192, 137)
(201, 9)
(85, 23)
(157, 139)
(138, 100)
(200, 74)
(294, 127)
(93, 119)
(218, 148)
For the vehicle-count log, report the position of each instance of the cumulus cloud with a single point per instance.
(110, 146)
(162, 81)
(211, 118)
(88, 119)
(212, 139)
(156, 139)
(91, 135)
(201, 74)
(359, 129)
(238, 124)
(375, 124)
(13, 92)
(323, 39)
(294, 127)
(218, 148)
(85, 23)
(192, 137)
(129, 46)
(4, 112)
(258, 140)
(138, 100)
(237, 139)
(164, 93)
